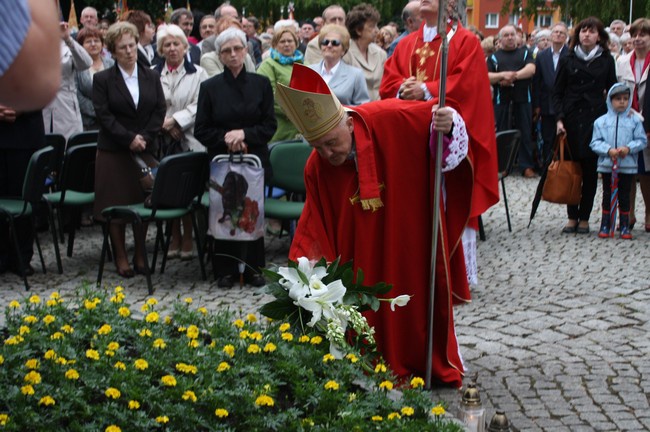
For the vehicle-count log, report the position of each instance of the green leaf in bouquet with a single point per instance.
(360, 276)
(276, 290)
(271, 275)
(279, 309)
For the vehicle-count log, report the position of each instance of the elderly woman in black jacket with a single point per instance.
(235, 114)
(584, 76)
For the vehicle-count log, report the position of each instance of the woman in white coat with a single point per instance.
(181, 81)
(632, 69)
(62, 115)
(346, 82)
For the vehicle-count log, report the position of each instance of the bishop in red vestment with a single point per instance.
(413, 73)
(370, 200)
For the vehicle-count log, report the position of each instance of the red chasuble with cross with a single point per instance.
(468, 91)
(393, 243)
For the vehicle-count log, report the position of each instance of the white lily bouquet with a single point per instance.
(327, 299)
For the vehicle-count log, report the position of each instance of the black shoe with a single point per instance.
(256, 280)
(27, 271)
(225, 282)
(569, 229)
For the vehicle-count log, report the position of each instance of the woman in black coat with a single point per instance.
(584, 76)
(234, 114)
(130, 107)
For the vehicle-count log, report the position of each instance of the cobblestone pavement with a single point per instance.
(557, 330)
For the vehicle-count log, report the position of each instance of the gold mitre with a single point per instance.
(309, 103)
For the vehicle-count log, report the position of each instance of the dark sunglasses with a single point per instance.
(332, 42)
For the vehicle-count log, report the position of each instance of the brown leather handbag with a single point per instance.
(563, 183)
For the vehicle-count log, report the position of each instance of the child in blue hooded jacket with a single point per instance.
(617, 139)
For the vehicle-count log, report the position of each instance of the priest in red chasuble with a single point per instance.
(413, 73)
(370, 200)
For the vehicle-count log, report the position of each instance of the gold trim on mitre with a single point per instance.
(313, 113)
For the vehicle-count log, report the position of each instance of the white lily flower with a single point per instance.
(322, 304)
(291, 277)
(399, 301)
(298, 290)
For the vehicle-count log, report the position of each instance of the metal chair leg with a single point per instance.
(55, 239)
(481, 229)
(38, 244)
(505, 201)
(199, 252)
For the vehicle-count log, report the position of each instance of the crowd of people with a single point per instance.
(218, 83)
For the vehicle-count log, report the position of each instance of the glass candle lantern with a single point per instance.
(472, 413)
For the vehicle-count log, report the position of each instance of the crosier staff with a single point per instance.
(442, 31)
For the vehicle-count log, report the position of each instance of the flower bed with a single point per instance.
(85, 364)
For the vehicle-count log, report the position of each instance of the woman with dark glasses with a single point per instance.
(347, 82)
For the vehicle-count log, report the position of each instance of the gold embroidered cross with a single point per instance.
(424, 53)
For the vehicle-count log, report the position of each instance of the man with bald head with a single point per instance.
(334, 14)
(411, 19)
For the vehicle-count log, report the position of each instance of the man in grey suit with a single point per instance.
(545, 70)
(411, 19)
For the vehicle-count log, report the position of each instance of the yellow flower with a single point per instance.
(270, 347)
(407, 411)
(34, 299)
(185, 368)
(377, 418)
(221, 413)
(67, 329)
(2, 359)
(202, 310)
(308, 422)
(386, 385)
(380, 368)
(104, 330)
(119, 365)
(23, 330)
(256, 336)
(168, 380)
(229, 350)
(223, 366)
(27, 390)
(253, 349)
(287, 337)
(144, 308)
(119, 289)
(264, 400)
(159, 343)
(134, 405)
(192, 332)
(162, 419)
(417, 382)
(352, 397)
(113, 346)
(55, 295)
(244, 334)
(168, 319)
(251, 318)
(394, 415)
(438, 410)
(189, 395)
(14, 304)
(152, 301)
(328, 357)
(14, 340)
(4, 419)
(113, 428)
(331, 385)
(124, 311)
(152, 317)
(91, 304)
(238, 323)
(92, 354)
(181, 329)
(193, 343)
(141, 364)
(49, 319)
(112, 393)
(57, 336)
(51, 303)
(284, 327)
(63, 361)
(316, 340)
(72, 374)
(32, 364)
(188, 300)
(353, 358)
(33, 377)
(30, 319)
(303, 339)
(145, 332)
(50, 355)
(47, 401)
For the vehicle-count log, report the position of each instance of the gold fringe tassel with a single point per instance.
(373, 204)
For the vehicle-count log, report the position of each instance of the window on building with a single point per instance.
(515, 19)
(544, 21)
(492, 20)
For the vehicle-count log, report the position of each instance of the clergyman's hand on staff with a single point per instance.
(559, 129)
(443, 119)
(411, 89)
